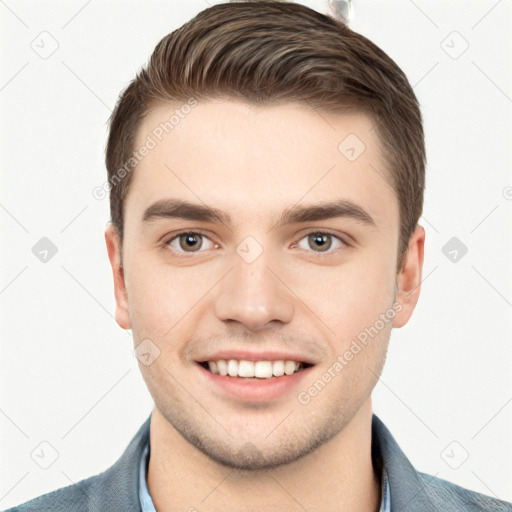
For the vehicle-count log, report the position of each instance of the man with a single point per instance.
(267, 176)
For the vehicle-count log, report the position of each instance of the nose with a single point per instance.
(254, 294)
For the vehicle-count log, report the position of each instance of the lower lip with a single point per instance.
(259, 390)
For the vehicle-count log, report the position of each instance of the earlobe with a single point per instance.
(115, 256)
(408, 279)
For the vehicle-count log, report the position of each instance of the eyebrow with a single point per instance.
(179, 209)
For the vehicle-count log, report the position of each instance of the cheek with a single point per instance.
(348, 298)
(161, 297)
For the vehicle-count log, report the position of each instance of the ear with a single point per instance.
(114, 250)
(408, 279)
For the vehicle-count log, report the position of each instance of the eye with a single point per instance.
(189, 242)
(192, 242)
(322, 241)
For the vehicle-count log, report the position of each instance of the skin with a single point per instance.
(253, 163)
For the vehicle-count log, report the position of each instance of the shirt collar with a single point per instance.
(146, 502)
(385, 504)
(147, 505)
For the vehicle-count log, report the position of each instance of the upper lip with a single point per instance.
(265, 355)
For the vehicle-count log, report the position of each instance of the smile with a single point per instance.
(253, 369)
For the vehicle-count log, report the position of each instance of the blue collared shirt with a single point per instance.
(147, 503)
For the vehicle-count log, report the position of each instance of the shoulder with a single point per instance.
(76, 497)
(114, 489)
(412, 490)
(459, 498)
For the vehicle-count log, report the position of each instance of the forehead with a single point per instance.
(235, 155)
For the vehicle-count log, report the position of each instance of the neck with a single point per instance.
(338, 476)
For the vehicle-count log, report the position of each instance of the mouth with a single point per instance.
(254, 370)
(252, 378)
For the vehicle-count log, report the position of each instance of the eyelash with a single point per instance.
(182, 254)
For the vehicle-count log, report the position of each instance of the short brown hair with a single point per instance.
(267, 52)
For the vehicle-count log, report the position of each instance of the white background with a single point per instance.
(68, 373)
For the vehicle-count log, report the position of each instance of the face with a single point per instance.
(262, 242)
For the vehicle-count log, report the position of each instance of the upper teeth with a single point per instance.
(260, 369)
